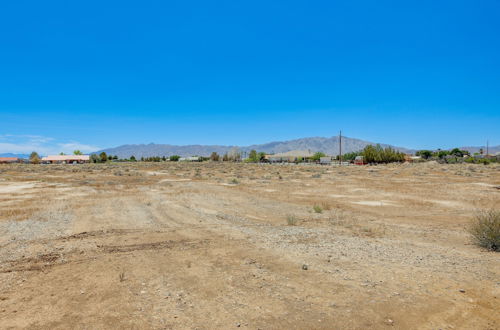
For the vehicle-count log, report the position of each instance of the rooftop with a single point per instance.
(66, 157)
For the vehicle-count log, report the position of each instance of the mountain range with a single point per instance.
(329, 146)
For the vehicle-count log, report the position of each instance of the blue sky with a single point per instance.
(95, 74)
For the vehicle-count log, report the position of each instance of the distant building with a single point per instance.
(10, 160)
(190, 159)
(66, 159)
(325, 160)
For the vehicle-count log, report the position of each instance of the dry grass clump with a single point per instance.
(485, 229)
(326, 206)
(320, 207)
(291, 220)
(121, 276)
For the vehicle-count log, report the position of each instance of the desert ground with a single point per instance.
(257, 246)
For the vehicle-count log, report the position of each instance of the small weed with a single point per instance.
(291, 220)
(122, 276)
(234, 181)
(317, 209)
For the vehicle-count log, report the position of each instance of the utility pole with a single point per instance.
(487, 147)
(340, 148)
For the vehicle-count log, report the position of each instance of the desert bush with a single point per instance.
(485, 229)
(291, 220)
(317, 209)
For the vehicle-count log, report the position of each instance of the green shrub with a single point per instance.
(377, 154)
(485, 229)
(317, 156)
(317, 209)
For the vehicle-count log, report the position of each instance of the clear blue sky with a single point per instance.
(93, 74)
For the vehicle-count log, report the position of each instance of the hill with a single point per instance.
(327, 145)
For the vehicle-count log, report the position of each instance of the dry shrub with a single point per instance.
(485, 229)
(326, 206)
(291, 220)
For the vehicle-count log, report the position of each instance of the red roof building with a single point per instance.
(9, 160)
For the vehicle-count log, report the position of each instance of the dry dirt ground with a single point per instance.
(222, 246)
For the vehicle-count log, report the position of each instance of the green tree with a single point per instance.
(94, 158)
(442, 153)
(34, 158)
(103, 156)
(253, 157)
(369, 154)
(425, 154)
(62, 153)
(347, 157)
(456, 152)
(377, 154)
(317, 156)
(174, 158)
(132, 158)
(77, 152)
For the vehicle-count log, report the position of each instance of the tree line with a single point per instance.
(376, 155)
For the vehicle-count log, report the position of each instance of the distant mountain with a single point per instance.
(15, 155)
(329, 146)
(492, 149)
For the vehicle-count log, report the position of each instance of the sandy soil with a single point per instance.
(221, 246)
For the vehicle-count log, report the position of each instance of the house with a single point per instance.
(325, 160)
(10, 160)
(291, 156)
(66, 159)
